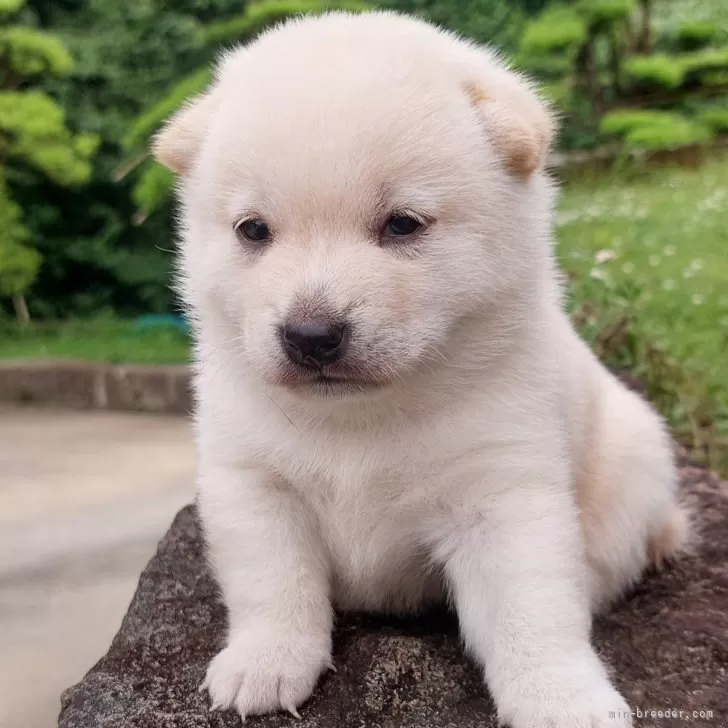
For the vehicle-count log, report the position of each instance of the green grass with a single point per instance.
(647, 259)
(97, 340)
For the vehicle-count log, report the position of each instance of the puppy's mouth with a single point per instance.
(328, 383)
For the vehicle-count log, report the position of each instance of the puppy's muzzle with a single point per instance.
(314, 343)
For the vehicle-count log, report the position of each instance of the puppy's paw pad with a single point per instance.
(261, 672)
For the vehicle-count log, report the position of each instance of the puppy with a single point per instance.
(394, 408)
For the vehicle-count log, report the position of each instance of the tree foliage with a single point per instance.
(599, 55)
(496, 21)
(153, 188)
(33, 137)
(126, 57)
(79, 75)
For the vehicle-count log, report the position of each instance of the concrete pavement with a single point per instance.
(84, 499)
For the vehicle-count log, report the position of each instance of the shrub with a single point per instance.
(716, 118)
(714, 78)
(148, 123)
(558, 93)
(556, 30)
(259, 16)
(669, 134)
(655, 129)
(697, 34)
(543, 66)
(152, 190)
(623, 121)
(600, 13)
(32, 52)
(656, 71)
(709, 60)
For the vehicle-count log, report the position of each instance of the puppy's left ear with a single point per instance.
(517, 122)
(176, 145)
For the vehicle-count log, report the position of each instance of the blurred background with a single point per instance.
(86, 247)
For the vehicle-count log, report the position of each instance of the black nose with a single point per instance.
(314, 343)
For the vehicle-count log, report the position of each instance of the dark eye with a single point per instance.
(401, 225)
(253, 230)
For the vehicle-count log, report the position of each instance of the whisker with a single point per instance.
(283, 412)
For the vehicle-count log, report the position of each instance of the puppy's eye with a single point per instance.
(253, 230)
(401, 225)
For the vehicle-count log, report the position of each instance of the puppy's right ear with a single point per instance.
(176, 145)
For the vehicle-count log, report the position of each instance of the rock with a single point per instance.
(667, 643)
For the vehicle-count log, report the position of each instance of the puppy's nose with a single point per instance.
(314, 343)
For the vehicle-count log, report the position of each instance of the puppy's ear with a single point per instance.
(516, 120)
(177, 143)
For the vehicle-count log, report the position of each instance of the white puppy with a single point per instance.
(393, 407)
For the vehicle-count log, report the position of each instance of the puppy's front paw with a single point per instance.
(551, 702)
(266, 668)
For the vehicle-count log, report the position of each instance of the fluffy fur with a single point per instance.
(469, 445)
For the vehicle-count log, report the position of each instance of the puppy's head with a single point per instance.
(355, 187)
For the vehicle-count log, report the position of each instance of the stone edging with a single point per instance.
(91, 385)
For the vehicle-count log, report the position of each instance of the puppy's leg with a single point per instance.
(628, 495)
(519, 586)
(270, 565)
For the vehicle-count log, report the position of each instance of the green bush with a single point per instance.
(602, 13)
(556, 30)
(10, 6)
(716, 118)
(18, 263)
(714, 78)
(697, 34)
(702, 63)
(262, 15)
(147, 124)
(152, 190)
(673, 134)
(622, 121)
(656, 71)
(32, 52)
(543, 66)
(558, 93)
(648, 129)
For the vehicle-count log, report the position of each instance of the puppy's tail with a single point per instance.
(672, 538)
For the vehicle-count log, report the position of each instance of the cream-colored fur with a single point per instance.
(476, 449)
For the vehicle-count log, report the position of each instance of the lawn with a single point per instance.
(105, 340)
(647, 262)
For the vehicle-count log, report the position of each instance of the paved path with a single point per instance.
(84, 498)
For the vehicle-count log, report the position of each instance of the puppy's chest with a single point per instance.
(370, 513)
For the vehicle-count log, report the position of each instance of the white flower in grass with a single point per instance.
(688, 273)
(669, 250)
(628, 267)
(598, 274)
(603, 256)
(697, 264)
(698, 299)
(655, 260)
(669, 285)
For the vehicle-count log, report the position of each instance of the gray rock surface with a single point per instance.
(667, 643)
